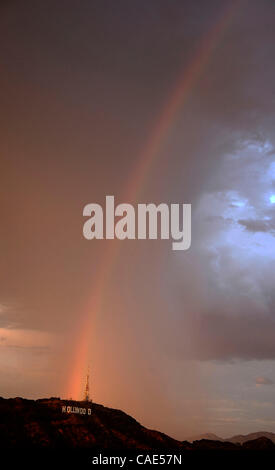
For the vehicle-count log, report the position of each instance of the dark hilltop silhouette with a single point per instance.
(41, 423)
(36, 426)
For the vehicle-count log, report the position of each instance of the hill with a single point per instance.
(41, 423)
(238, 439)
(252, 436)
(54, 430)
(208, 436)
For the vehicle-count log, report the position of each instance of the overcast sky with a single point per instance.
(183, 341)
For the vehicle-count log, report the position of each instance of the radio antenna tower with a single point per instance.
(87, 386)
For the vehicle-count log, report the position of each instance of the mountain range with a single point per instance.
(238, 439)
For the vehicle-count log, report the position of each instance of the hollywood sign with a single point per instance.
(76, 410)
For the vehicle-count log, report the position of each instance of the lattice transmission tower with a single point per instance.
(87, 387)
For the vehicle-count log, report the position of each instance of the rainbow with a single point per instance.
(188, 78)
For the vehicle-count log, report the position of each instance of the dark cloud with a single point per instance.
(253, 225)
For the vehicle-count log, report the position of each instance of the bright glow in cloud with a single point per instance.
(239, 218)
(238, 226)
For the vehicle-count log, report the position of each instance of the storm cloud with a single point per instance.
(83, 86)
